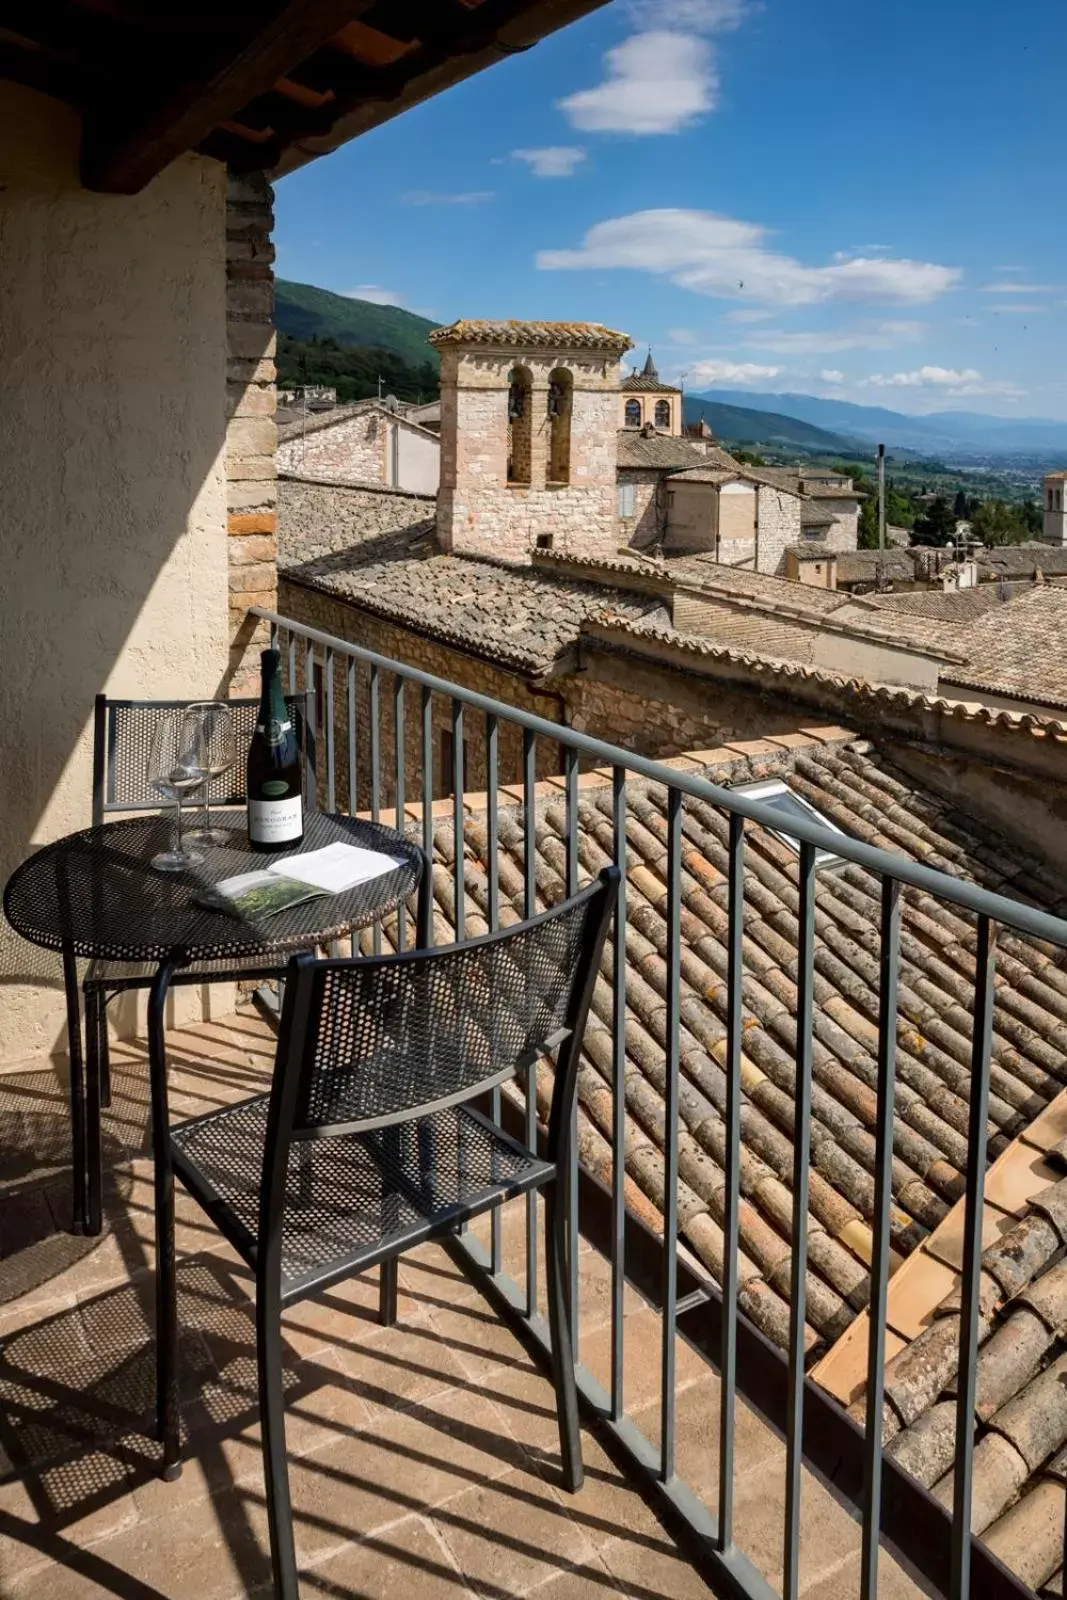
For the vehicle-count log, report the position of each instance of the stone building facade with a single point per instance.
(649, 402)
(251, 436)
(528, 437)
(365, 443)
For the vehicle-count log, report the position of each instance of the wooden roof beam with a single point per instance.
(120, 155)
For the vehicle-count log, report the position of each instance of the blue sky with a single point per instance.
(831, 198)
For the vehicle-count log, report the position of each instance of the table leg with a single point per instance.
(168, 1422)
(80, 1220)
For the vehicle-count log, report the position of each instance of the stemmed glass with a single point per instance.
(218, 753)
(175, 769)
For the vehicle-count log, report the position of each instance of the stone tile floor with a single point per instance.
(422, 1457)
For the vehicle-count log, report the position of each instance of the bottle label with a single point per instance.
(275, 821)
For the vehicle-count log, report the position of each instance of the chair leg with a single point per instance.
(388, 1292)
(570, 1440)
(272, 1422)
(105, 1056)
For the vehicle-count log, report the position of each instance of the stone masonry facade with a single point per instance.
(648, 524)
(778, 515)
(479, 512)
(352, 451)
(251, 435)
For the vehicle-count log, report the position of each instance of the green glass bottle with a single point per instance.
(275, 808)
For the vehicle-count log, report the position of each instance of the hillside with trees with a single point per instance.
(353, 371)
(306, 313)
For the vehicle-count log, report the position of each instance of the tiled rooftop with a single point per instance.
(953, 605)
(422, 1457)
(1019, 650)
(857, 790)
(1020, 1470)
(519, 616)
(536, 335)
(658, 451)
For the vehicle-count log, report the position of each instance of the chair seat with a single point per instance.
(353, 1201)
(139, 974)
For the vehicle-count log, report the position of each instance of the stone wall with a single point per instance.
(778, 516)
(352, 451)
(251, 435)
(479, 512)
(843, 532)
(648, 525)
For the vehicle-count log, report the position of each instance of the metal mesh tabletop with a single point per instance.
(95, 893)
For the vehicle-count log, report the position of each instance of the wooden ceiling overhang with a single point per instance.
(259, 86)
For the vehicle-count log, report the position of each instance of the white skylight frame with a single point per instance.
(767, 789)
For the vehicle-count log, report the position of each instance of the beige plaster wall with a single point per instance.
(112, 498)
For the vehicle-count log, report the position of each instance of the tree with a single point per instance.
(960, 507)
(938, 526)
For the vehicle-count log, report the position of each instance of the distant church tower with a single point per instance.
(529, 437)
(1056, 508)
(646, 400)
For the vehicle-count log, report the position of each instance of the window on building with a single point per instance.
(792, 807)
(520, 424)
(663, 414)
(627, 499)
(633, 413)
(560, 397)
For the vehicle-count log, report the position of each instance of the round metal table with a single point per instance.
(94, 894)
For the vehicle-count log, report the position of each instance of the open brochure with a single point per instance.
(332, 870)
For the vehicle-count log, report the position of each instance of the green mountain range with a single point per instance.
(745, 426)
(306, 313)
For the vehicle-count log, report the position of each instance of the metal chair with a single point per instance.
(366, 1145)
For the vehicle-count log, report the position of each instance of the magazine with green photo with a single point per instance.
(255, 895)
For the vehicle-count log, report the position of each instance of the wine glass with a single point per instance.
(175, 769)
(218, 752)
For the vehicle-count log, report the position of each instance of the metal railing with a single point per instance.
(891, 1505)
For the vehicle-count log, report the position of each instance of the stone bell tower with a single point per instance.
(1055, 529)
(529, 420)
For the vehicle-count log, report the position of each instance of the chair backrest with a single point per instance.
(365, 1044)
(122, 739)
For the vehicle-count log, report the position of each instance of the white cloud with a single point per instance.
(1009, 269)
(815, 342)
(656, 83)
(683, 335)
(552, 160)
(375, 294)
(691, 16)
(831, 375)
(734, 372)
(429, 197)
(1023, 288)
(748, 315)
(1020, 311)
(728, 259)
(949, 380)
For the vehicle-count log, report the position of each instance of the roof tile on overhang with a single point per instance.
(859, 791)
(1018, 649)
(534, 335)
(658, 451)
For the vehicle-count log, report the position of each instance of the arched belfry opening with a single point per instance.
(633, 413)
(560, 405)
(663, 414)
(520, 425)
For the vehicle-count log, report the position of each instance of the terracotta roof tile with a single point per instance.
(1018, 649)
(537, 335)
(867, 797)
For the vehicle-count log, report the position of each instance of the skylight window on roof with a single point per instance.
(791, 807)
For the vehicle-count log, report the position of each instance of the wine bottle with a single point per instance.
(275, 812)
